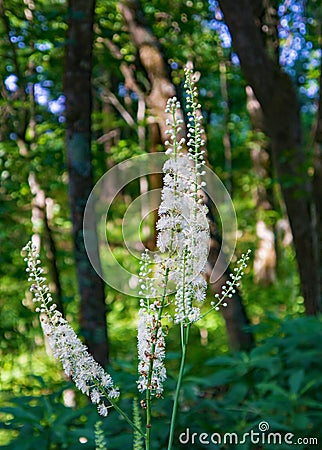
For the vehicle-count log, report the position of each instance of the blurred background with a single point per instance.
(84, 85)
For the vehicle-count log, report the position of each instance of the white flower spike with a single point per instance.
(88, 376)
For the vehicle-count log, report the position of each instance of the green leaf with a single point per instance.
(295, 381)
(274, 388)
(221, 361)
(301, 421)
(21, 414)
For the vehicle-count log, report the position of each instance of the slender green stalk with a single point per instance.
(126, 417)
(184, 328)
(137, 438)
(148, 420)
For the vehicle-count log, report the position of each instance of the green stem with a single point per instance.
(148, 420)
(185, 328)
(126, 417)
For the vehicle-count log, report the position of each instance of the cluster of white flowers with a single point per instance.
(183, 225)
(151, 342)
(88, 375)
(183, 242)
(151, 352)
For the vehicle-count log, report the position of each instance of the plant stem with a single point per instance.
(184, 328)
(148, 419)
(126, 417)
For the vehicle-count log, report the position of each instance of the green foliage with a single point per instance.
(43, 421)
(279, 380)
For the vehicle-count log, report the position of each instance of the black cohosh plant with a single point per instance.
(172, 283)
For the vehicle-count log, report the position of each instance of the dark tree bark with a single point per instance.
(227, 143)
(266, 19)
(275, 92)
(161, 88)
(77, 88)
(317, 180)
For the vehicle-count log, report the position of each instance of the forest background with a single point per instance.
(83, 87)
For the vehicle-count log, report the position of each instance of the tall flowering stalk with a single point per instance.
(151, 332)
(183, 238)
(191, 286)
(88, 376)
(182, 241)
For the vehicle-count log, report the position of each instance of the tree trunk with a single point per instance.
(161, 88)
(275, 92)
(77, 88)
(265, 255)
(317, 180)
(265, 260)
(153, 61)
(227, 144)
